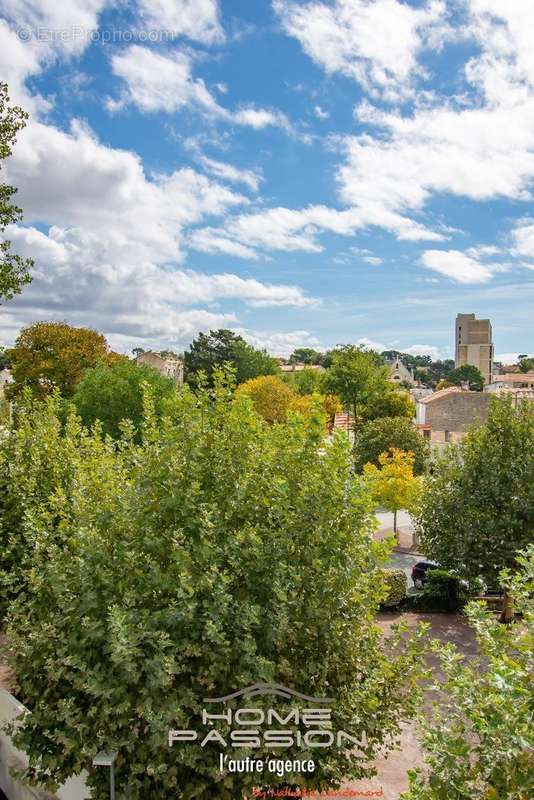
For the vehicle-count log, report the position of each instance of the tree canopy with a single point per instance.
(217, 553)
(49, 355)
(211, 350)
(469, 374)
(14, 270)
(271, 396)
(114, 392)
(380, 435)
(478, 506)
(393, 484)
(479, 740)
(358, 377)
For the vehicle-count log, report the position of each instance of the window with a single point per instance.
(447, 436)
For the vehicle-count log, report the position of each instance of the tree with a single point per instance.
(137, 351)
(47, 355)
(393, 484)
(14, 270)
(358, 377)
(114, 392)
(306, 381)
(479, 741)
(381, 435)
(209, 351)
(305, 355)
(478, 505)
(4, 359)
(469, 374)
(392, 403)
(526, 364)
(271, 397)
(218, 553)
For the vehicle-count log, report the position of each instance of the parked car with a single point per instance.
(419, 571)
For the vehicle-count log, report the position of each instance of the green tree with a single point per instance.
(307, 381)
(4, 358)
(210, 351)
(479, 741)
(305, 355)
(380, 435)
(526, 364)
(50, 355)
(218, 553)
(478, 506)
(14, 270)
(392, 403)
(393, 484)
(467, 374)
(114, 392)
(271, 396)
(358, 377)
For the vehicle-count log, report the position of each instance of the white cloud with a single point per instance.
(523, 239)
(320, 113)
(375, 42)
(423, 350)
(457, 265)
(25, 50)
(373, 260)
(229, 172)
(208, 240)
(482, 149)
(159, 82)
(280, 344)
(196, 19)
(155, 82)
(106, 259)
(297, 229)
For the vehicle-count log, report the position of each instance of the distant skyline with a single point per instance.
(304, 172)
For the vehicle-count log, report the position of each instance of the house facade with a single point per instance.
(447, 415)
(169, 366)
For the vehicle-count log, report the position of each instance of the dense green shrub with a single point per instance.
(111, 393)
(442, 591)
(397, 585)
(218, 552)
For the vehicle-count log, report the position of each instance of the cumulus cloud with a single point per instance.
(280, 344)
(156, 82)
(109, 256)
(197, 19)
(458, 266)
(375, 42)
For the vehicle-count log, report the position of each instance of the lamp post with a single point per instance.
(107, 760)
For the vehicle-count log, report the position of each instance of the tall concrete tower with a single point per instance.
(474, 344)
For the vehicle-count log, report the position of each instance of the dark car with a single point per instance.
(419, 572)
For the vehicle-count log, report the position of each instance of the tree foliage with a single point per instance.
(212, 350)
(306, 381)
(306, 355)
(467, 374)
(380, 435)
(478, 505)
(217, 553)
(358, 377)
(393, 484)
(271, 397)
(393, 402)
(4, 358)
(14, 270)
(111, 393)
(49, 355)
(479, 743)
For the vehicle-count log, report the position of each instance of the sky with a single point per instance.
(304, 172)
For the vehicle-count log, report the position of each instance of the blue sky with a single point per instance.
(305, 173)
